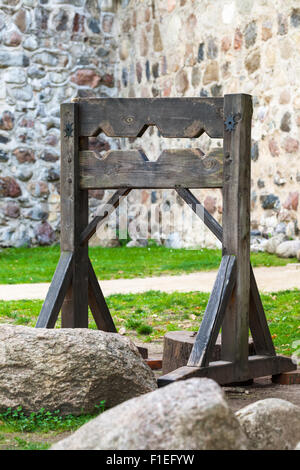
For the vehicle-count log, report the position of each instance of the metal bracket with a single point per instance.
(68, 130)
(230, 123)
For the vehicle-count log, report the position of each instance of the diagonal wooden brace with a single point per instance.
(258, 323)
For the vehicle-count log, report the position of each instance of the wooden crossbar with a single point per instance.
(130, 169)
(130, 117)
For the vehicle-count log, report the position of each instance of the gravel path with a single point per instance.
(269, 280)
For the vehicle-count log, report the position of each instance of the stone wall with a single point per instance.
(50, 52)
(54, 50)
(210, 48)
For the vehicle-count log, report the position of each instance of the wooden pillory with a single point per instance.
(234, 305)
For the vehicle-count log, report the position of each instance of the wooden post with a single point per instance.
(74, 218)
(236, 227)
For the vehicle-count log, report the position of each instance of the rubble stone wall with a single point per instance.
(50, 52)
(213, 47)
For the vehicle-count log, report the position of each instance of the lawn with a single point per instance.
(149, 315)
(26, 265)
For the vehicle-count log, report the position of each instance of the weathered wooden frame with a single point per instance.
(235, 304)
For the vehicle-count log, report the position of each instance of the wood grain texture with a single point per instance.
(131, 169)
(130, 117)
(202, 351)
(236, 228)
(224, 372)
(258, 323)
(55, 296)
(74, 218)
(97, 303)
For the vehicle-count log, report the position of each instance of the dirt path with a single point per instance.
(269, 280)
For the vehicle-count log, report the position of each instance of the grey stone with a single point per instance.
(30, 43)
(254, 150)
(191, 414)
(24, 174)
(270, 201)
(260, 183)
(137, 243)
(201, 52)
(295, 17)
(280, 228)
(35, 71)
(15, 75)
(69, 369)
(271, 245)
(3, 156)
(297, 446)
(271, 424)
(250, 34)
(285, 124)
(288, 249)
(22, 94)
(173, 241)
(46, 58)
(13, 59)
(38, 212)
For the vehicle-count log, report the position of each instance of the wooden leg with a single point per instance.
(98, 304)
(258, 323)
(57, 291)
(74, 218)
(214, 314)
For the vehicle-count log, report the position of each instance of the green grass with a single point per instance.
(27, 265)
(15, 425)
(149, 315)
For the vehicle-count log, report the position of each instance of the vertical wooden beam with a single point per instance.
(74, 218)
(236, 226)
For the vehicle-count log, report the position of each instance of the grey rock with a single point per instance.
(24, 174)
(137, 243)
(13, 59)
(271, 424)
(173, 241)
(285, 124)
(69, 369)
(270, 201)
(30, 43)
(297, 446)
(250, 34)
(36, 72)
(272, 244)
(191, 414)
(288, 249)
(39, 212)
(280, 228)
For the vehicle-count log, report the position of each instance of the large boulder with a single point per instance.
(191, 414)
(69, 369)
(288, 249)
(271, 424)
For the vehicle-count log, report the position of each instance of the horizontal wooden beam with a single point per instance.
(225, 372)
(131, 169)
(130, 117)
